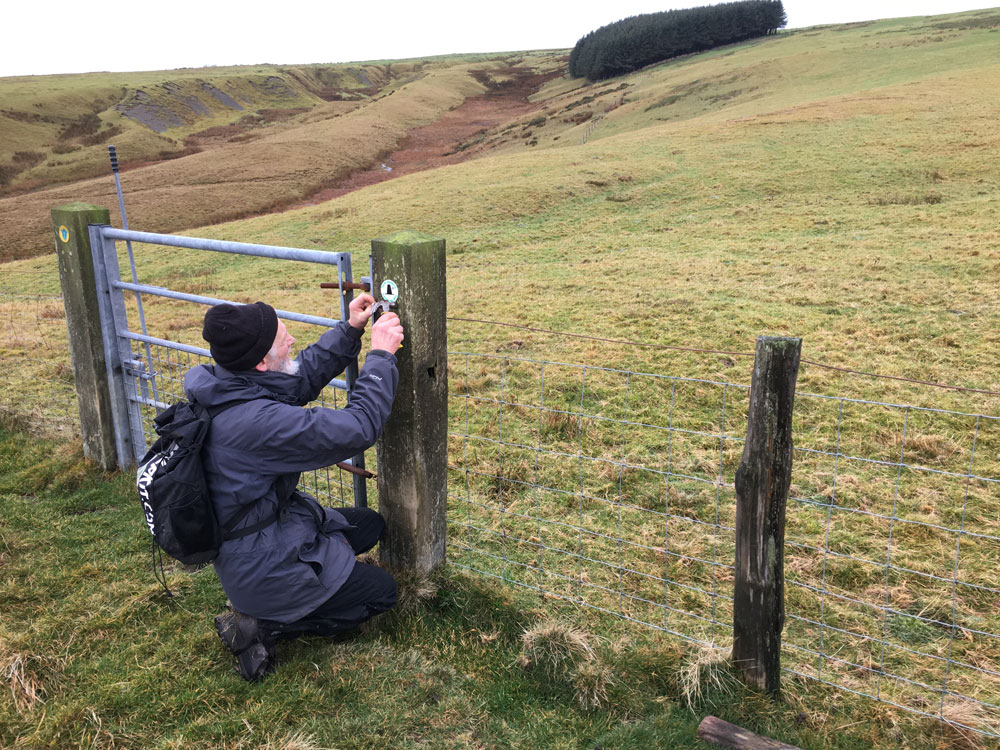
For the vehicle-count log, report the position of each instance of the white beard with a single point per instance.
(288, 366)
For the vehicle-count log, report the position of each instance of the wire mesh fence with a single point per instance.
(891, 547)
(600, 486)
(615, 490)
(36, 373)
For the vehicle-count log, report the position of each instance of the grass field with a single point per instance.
(92, 654)
(836, 184)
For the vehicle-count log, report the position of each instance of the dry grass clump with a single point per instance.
(564, 654)
(591, 681)
(295, 741)
(706, 670)
(287, 741)
(958, 716)
(514, 478)
(554, 648)
(413, 592)
(932, 447)
(906, 199)
(25, 685)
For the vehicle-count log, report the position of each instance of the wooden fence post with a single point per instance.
(762, 482)
(83, 323)
(413, 449)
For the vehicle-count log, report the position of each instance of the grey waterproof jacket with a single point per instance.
(254, 454)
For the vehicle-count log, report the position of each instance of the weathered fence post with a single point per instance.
(413, 449)
(762, 482)
(83, 322)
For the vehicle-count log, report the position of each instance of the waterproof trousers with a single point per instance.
(367, 591)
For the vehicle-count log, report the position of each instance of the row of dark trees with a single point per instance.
(635, 42)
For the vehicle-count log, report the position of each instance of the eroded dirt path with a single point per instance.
(435, 145)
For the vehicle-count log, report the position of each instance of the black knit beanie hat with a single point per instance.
(240, 335)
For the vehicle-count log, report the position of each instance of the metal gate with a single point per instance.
(146, 372)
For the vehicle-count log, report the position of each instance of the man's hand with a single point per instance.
(387, 333)
(360, 310)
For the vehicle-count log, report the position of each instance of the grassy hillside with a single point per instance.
(282, 144)
(67, 120)
(863, 221)
(837, 184)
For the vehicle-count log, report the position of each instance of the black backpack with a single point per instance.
(172, 488)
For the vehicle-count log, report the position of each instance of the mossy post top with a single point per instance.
(79, 206)
(407, 237)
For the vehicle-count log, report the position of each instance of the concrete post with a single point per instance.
(413, 449)
(83, 322)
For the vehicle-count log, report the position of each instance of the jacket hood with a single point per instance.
(211, 385)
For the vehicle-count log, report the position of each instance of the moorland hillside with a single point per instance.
(613, 252)
(208, 146)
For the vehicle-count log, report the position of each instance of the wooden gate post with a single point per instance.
(413, 449)
(762, 482)
(83, 322)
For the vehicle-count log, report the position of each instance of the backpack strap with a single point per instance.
(227, 528)
(214, 411)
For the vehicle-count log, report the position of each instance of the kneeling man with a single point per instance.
(287, 563)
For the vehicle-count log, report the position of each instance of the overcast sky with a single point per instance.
(59, 36)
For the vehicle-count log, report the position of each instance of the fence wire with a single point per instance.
(37, 389)
(615, 490)
(601, 486)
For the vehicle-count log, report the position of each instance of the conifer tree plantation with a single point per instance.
(633, 43)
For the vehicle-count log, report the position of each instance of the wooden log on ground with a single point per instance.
(723, 733)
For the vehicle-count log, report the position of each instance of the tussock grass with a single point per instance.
(565, 654)
(901, 199)
(960, 715)
(25, 686)
(592, 681)
(293, 741)
(555, 648)
(707, 671)
(415, 593)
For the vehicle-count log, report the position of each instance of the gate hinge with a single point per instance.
(137, 369)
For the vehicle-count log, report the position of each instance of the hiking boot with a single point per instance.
(252, 647)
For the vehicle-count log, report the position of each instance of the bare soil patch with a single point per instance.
(434, 145)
